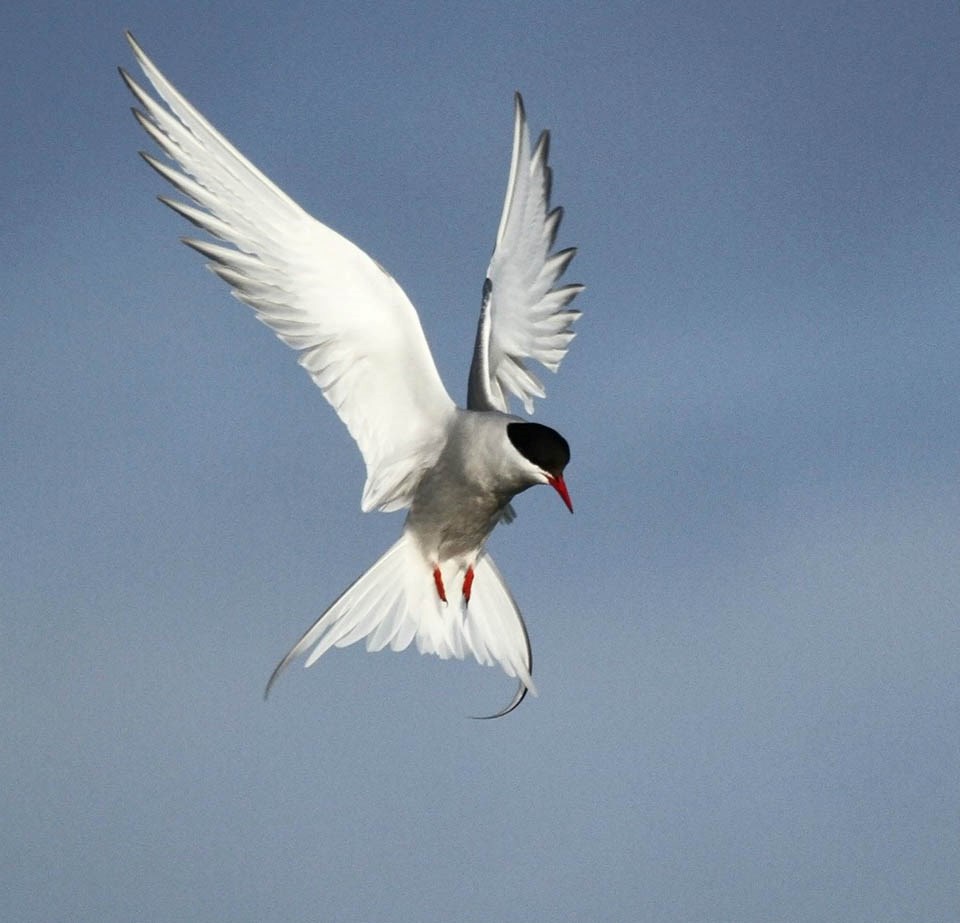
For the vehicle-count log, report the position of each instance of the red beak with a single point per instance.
(557, 483)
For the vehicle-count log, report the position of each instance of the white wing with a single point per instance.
(523, 316)
(357, 333)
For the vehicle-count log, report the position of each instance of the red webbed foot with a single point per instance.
(438, 582)
(467, 584)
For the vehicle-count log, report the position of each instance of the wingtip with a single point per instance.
(130, 83)
(541, 150)
(519, 110)
(132, 42)
(142, 57)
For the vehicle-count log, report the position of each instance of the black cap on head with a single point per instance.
(539, 444)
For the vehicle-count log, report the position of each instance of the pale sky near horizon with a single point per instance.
(747, 638)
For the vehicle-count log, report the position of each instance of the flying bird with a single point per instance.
(359, 337)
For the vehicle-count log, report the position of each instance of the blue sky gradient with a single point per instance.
(746, 640)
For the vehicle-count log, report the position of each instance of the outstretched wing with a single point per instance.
(524, 314)
(357, 333)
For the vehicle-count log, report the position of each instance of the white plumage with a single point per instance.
(360, 339)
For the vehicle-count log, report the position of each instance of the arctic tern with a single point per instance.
(359, 337)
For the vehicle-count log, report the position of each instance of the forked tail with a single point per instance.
(395, 602)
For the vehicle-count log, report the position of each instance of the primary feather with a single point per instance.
(524, 315)
(357, 333)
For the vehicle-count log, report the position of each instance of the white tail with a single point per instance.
(396, 601)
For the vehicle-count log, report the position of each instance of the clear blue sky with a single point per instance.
(746, 640)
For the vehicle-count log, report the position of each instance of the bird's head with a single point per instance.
(547, 453)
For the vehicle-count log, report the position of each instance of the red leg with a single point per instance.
(438, 581)
(467, 584)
